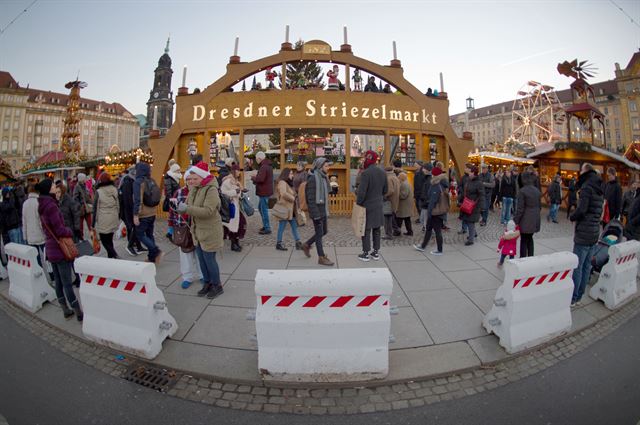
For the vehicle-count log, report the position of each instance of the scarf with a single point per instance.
(322, 197)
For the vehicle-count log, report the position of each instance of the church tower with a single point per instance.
(161, 97)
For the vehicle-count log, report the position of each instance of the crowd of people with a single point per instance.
(205, 208)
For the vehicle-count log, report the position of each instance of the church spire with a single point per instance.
(166, 49)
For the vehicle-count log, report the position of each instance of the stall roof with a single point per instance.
(50, 170)
(550, 147)
(503, 156)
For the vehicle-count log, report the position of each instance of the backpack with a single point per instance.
(151, 196)
(302, 197)
(225, 207)
(442, 207)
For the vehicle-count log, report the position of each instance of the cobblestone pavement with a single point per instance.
(341, 234)
(335, 400)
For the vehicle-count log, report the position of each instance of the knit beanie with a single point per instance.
(82, 177)
(436, 171)
(511, 226)
(260, 156)
(370, 158)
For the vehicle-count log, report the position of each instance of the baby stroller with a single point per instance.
(611, 235)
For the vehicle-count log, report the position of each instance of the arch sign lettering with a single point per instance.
(406, 111)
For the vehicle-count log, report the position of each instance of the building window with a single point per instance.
(635, 123)
(606, 110)
(5, 147)
(628, 87)
(5, 125)
(633, 107)
(16, 125)
(14, 146)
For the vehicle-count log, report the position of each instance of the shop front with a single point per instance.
(299, 122)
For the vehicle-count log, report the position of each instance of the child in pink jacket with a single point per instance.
(508, 242)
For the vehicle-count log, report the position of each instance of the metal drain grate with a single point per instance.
(151, 377)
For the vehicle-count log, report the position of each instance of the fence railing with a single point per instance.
(341, 204)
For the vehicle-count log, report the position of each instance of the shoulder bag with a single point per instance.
(182, 237)
(66, 244)
(442, 207)
(468, 205)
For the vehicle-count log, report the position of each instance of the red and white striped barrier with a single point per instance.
(28, 285)
(123, 307)
(617, 280)
(533, 304)
(323, 326)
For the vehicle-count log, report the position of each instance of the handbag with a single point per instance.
(280, 212)
(358, 220)
(95, 241)
(66, 244)
(606, 217)
(182, 238)
(246, 206)
(468, 205)
(387, 208)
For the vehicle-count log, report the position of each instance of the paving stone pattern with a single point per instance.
(321, 401)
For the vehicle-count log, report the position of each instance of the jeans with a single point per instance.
(263, 207)
(582, 273)
(506, 210)
(107, 242)
(485, 210)
(320, 227)
(208, 266)
(434, 223)
(189, 266)
(64, 288)
(472, 230)
(366, 240)
(465, 226)
(144, 232)
(15, 235)
(526, 245)
(503, 256)
(553, 212)
(294, 229)
(132, 239)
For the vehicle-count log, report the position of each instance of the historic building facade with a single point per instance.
(160, 103)
(31, 123)
(618, 99)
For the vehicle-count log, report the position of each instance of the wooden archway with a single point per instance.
(216, 107)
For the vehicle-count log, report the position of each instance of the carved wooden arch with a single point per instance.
(236, 72)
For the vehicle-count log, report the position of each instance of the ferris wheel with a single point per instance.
(536, 113)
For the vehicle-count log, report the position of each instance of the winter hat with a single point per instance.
(260, 156)
(428, 166)
(104, 178)
(436, 171)
(370, 158)
(511, 226)
(201, 169)
(174, 172)
(82, 177)
(44, 187)
(319, 162)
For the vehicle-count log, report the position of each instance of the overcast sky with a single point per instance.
(486, 49)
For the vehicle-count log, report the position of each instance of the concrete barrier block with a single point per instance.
(323, 325)
(123, 307)
(533, 304)
(28, 285)
(617, 281)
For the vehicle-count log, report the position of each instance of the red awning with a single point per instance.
(52, 156)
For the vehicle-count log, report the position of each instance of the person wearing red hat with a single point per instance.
(370, 195)
(203, 205)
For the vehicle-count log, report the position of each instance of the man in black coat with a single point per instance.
(587, 230)
(370, 195)
(418, 183)
(527, 215)
(125, 195)
(613, 194)
(555, 198)
(425, 172)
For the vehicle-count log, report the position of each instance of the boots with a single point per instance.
(66, 311)
(324, 261)
(306, 249)
(280, 246)
(205, 288)
(78, 311)
(298, 245)
(235, 246)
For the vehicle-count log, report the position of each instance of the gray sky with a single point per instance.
(486, 49)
